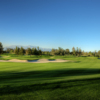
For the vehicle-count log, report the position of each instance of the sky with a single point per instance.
(51, 23)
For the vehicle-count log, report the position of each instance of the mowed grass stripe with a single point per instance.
(76, 80)
(34, 73)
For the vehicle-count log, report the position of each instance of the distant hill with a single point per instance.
(29, 46)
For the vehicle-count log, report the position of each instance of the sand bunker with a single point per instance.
(51, 57)
(35, 61)
(47, 61)
(17, 60)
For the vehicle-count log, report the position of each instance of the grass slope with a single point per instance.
(78, 80)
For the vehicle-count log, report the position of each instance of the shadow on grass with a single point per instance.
(48, 86)
(73, 62)
(39, 75)
(43, 75)
(76, 61)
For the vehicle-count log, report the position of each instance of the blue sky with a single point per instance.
(51, 23)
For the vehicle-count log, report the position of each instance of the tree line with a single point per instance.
(60, 51)
(28, 51)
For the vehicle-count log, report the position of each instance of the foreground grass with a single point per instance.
(71, 90)
(78, 80)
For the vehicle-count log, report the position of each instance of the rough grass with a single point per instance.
(77, 80)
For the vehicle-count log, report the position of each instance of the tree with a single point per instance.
(73, 50)
(83, 53)
(90, 53)
(8, 50)
(1, 48)
(95, 53)
(40, 52)
(80, 52)
(17, 50)
(67, 51)
(77, 51)
(29, 51)
(11, 51)
(21, 51)
(38, 48)
(86, 54)
(33, 51)
(61, 51)
(99, 53)
(53, 51)
(56, 52)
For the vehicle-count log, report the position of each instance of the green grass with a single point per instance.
(32, 57)
(23, 57)
(77, 80)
